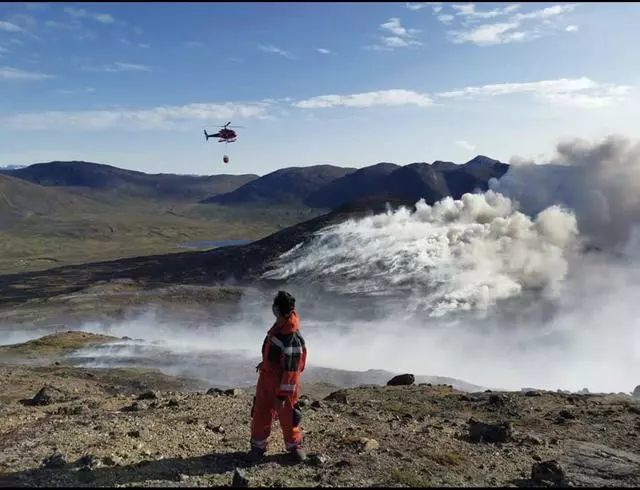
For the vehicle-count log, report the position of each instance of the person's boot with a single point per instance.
(299, 455)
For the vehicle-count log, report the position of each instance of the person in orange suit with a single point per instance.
(283, 359)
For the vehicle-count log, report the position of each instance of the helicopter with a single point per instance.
(225, 135)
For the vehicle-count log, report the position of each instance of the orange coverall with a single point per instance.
(283, 359)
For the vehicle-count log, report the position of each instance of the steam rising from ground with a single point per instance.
(454, 255)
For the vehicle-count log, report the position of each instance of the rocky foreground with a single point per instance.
(66, 426)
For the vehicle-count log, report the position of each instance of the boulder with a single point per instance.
(89, 461)
(148, 395)
(55, 461)
(239, 479)
(48, 395)
(337, 396)
(497, 400)
(547, 472)
(532, 393)
(402, 380)
(317, 460)
(215, 391)
(482, 432)
(636, 392)
(233, 392)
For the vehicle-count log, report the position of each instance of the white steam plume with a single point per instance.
(455, 255)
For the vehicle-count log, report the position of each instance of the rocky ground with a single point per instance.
(104, 427)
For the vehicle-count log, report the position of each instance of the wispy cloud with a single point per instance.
(118, 67)
(469, 10)
(576, 92)
(156, 118)
(10, 27)
(270, 48)
(324, 51)
(396, 36)
(77, 13)
(16, 74)
(490, 34)
(393, 97)
(571, 28)
(511, 25)
(547, 12)
(466, 145)
(446, 18)
(436, 6)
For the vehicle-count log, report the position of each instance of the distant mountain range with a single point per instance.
(287, 185)
(330, 187)
(102, 177)
(318, 186)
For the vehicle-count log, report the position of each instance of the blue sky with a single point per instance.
(350, 84)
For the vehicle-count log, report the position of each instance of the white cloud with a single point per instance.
(547, 12)
(118, 67)
(393, 97)
(157, 118)
(9, 73)
(446, 18)
(394, 27)
(571, 28)
(84, 14)
(144, 46)
(324, 51)
(10, 27)
(577, 92)
(466, 145)
(194, 44)
(514, 28)
(269, 48)
(489, 34)
(436, 6)
(400, 38)
(469, 10)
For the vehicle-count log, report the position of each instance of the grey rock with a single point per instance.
(402, 380)
(491, 433)
(636, 392)
(89, 461)
(48, 395)
(215, 391)
(239, 479)
(55, 461)
(233, 392)
(547, 472)
(337, 396)
(532, 393)
(148, 395)
(317, 460)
